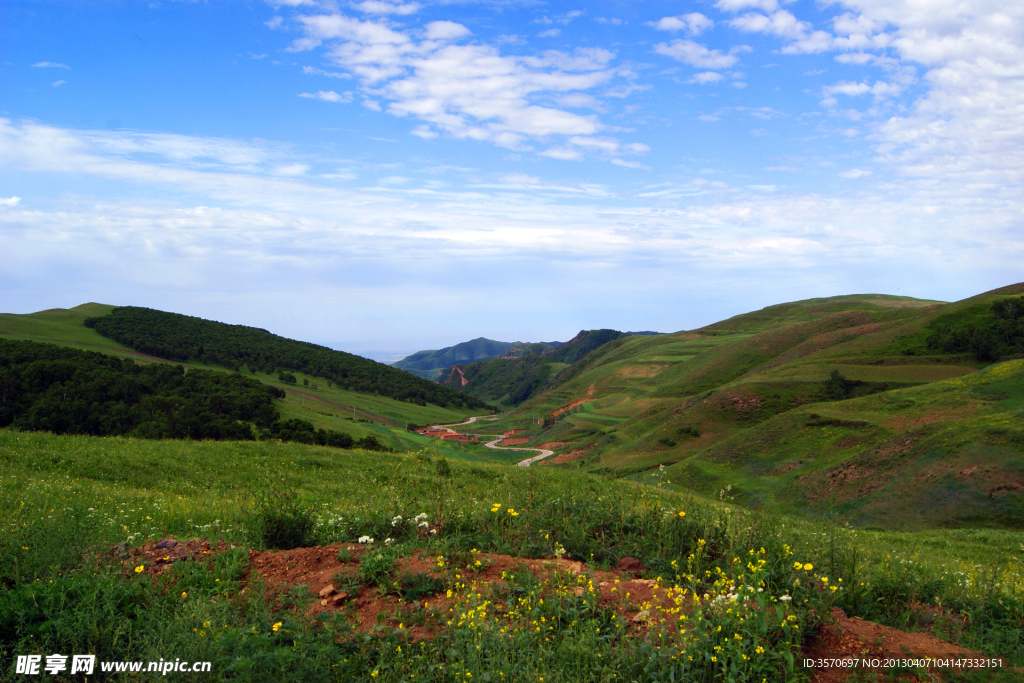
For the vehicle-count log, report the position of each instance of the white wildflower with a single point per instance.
(365, 539)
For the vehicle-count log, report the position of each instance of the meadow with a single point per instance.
(742, 592)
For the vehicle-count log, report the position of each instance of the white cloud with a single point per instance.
(50, 65)
(706, 77)
(520, 179)
(379, 7)
(236, 226)
(445, 30)
(737, 5)
(693, 23)
(550, 33)
(468, 91)
(697, 55)
(313, 71)
(855, 173)
(274, 22)
(56, 84)
(10, 201)
(328, 96)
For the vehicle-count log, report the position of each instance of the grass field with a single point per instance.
(72, 508)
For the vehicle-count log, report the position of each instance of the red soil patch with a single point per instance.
(554, 445)
(569, 406)
(570, 456)
(317, 568)
(853, 638)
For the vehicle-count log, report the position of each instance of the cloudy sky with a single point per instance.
(385, 176)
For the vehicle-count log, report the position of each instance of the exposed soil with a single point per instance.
(332, 582)
(569, 406)
(574, 454)
(333, 586)
(554, 445)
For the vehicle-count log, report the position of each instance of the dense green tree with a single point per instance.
(185, 338)
(44, 387)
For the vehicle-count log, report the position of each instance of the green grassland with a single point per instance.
(71, 506)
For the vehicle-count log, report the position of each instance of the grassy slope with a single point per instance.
(748, 385)
(154, 488)
(383, 417)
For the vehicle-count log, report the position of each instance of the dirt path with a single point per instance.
(544, 453)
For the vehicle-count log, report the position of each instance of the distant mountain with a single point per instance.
(430, 364)
(525, 370)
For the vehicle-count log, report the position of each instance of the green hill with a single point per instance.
(776, 403)
(185, 338)
(523, 371)
(430, 364)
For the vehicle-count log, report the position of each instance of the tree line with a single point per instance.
(185, 338)
(44, 387)
(988, 335)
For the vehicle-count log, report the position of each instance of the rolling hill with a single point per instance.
(855, 406)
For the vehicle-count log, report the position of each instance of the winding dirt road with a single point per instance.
(542, 452)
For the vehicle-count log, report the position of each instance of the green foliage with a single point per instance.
(66, 391)
(987, 332)
(48, 388)
(836, 387)
(185, 338)
(582, 344)
(413, 587)
(377, 566)
(510, 381)
(301, 431)
(279, 518)
(428, 364)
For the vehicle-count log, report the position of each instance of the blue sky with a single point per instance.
(386, 176)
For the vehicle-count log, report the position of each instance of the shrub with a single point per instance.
(376, 567)
(279, 519)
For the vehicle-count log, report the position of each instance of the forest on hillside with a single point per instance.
(49, 388)
(986, 331)
(186, 338)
